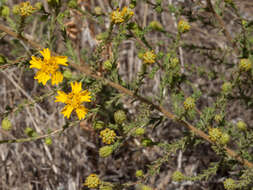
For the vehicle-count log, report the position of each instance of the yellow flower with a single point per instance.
(121, 16)
(117, 17)
(74, 100)
(127, 13)
(189, 103)
(215, 134)
(92, 181)
(48, 67)
(245, 65)
(25, 9)
(108, 136)
(149, 57)
(183, 26)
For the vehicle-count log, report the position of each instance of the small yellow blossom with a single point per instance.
(25, 9)
(92, 181)
(229, 184)
(117, 17)
(108, 136)
(121, 16)
(48, 67)
(189, 103)
(245, 65)
(74, 100)
(149, 57)
(215, 134)
(183, 26)
(127, 13)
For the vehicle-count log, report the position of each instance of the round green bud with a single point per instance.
(2, 60)
(241, 125)
(105, 151)
(38, 5)
(5, 11)
(6, 124)
(107, 65)
(215, 134)
(245, 65)
(72, 4)
(159, 9)
(139, 173)
(98, 11)
(229, 184)
(218, 118)
(146, 142)
(48, 140)
(97, 125)
(189, 103)
(174, 62)
(119, 116)
(28, 131)
(177, 176)
(15, 9)
(155, 25)
(224, 139)
(132, 4)
(67, 74)
(139, 131)
(226, 87)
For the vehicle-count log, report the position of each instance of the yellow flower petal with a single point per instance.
(66, 111)
(46, 54)
(42, 77)
(81, 111)
(57, 77)
(61, 60)
(85, 96)
(62, 97)
(36, 63)
(76, 87)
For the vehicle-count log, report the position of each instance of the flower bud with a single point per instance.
(97, 125)
(177, 176)
(67, 74)
(105, 151)
(229, 184)
(189, 103)
(92, 181)
(155, 25)
(226, 87)
(224, 139)
(139, 131)
(6, 124)
(139, 173)
(149, 57)
(5, 11)
(215, 134)
(241, 125)
(108, 136)
(245, 65)
(107, 65)
(119, 116)
(48, 140)
(98, 11)
(183, 26)
(218, 118)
